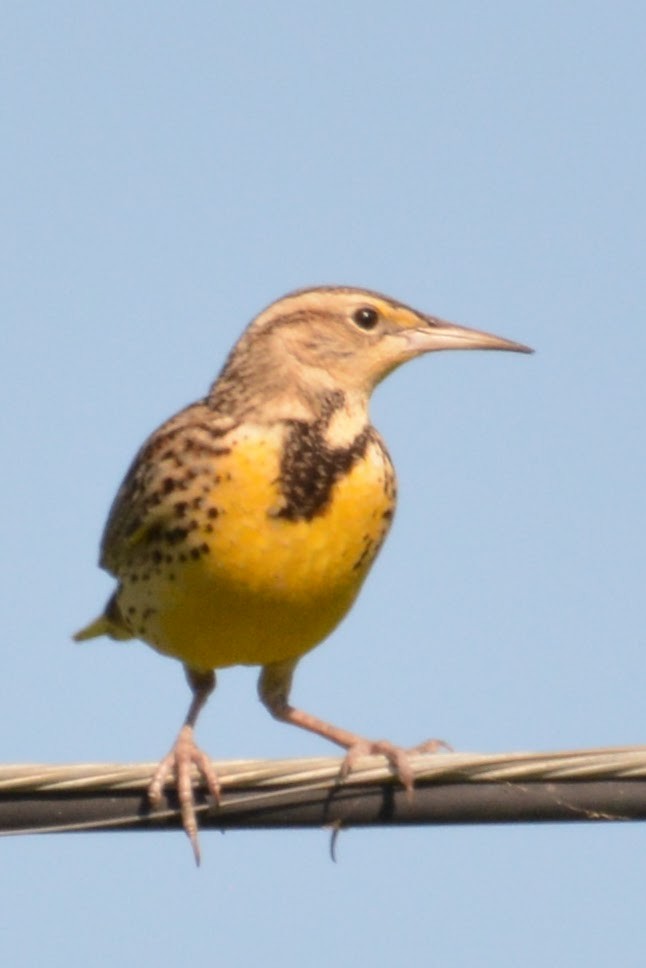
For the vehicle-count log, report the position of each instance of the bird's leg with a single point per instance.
(185, 754)
(273, 688)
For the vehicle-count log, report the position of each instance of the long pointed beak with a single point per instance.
(440, 335)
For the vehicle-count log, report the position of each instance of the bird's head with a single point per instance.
(344, 338)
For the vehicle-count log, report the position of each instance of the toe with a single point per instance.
(432, 746)
(397, 758)
(161, 776)
(178, 764)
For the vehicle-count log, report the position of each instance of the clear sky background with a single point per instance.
(169, 169)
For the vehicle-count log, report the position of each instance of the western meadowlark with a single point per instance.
(247, 523)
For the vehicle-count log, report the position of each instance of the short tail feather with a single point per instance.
(108, 623)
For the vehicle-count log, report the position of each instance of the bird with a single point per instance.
(247, 523)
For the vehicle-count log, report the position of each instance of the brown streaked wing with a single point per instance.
(164, 466)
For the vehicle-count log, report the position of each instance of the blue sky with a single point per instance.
(168, 170)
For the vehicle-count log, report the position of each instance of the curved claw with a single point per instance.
(178, 763)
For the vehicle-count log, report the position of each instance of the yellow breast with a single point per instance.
(248, 582)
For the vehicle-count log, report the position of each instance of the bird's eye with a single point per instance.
(367, 317)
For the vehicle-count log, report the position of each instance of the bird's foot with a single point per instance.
(178, 764)
(398, 758)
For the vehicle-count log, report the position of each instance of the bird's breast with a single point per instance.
(280, 538)
(297, 523)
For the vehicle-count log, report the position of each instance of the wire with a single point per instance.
(450, 788)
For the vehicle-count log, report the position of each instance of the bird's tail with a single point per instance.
(110, 623)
